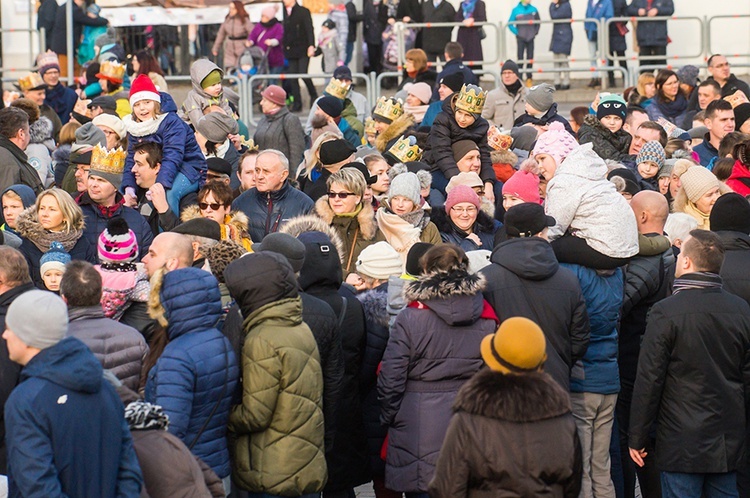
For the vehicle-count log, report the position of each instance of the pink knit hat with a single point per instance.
(117, 243)
(524, 185)
(459, 194)
(556, 142)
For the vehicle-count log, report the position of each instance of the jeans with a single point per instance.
(594, 416)
(561, 61)
(593, 49)
(575, 250)
(527, 48)
(679, 485)
(180, 186)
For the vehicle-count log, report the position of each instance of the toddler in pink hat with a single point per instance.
(551, 149)
(523, 186)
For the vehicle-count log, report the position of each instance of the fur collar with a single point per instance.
(235, 219)
(503, 157)
(40, 130)
(366, 217)
(374, 304)
(394, 131)
(443, 284)
(513, 398)
(312, 223)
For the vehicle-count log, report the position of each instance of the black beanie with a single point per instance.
(741, 114)
(453, 81)
(331, 106)
(416, 252)
(731, 212)
(510, 65)
(335, 151)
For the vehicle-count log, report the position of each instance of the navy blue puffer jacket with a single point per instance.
(197, 369)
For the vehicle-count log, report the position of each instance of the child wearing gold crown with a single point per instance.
(460, 119)
(154, 119)
(111, 75)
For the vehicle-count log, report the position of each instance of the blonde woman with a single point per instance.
(55, 217)
(699, 191)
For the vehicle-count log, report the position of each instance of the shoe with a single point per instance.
(597, 82)
(295, 107)
(529, 82)
(564, 87)
(592, 83)
(558, 86)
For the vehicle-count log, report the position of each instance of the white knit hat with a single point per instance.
(380, 261)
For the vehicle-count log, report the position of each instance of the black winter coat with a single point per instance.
(374, 305)
(607, 145)
(432, 351)
(526, 280)
(298, 32)
(324, 324)
(375, 19)
(10, 371)
(347, 460)
(434, 39)
(562, 33)
(617, 42)
(511, 435)
(46, 20)
(445, 132)
(548, 117)
(58, 38)
(693, 380)
(735, 272)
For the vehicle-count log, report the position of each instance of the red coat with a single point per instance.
(739, 180)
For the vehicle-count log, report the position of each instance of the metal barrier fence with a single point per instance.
(534, 22)
(708, 31)
(701, 22)
(240, 81)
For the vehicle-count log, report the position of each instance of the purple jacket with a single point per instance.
(260, 34)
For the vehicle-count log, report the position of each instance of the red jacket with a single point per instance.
(739, 180)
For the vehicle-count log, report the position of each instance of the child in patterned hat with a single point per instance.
(52, 266)
(123, 280)
(649, 161)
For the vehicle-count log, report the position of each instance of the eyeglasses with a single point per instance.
(340, 195)
(458, 210)
(214, 206)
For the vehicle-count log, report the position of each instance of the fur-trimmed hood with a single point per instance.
(444, 284)
(374, 304)
(311, 223)
(394, 131)
(503, 157)
(40, 130)
(513, 398)
(236, 219)
(365, 218)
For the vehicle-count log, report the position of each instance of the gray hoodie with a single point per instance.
(197, 99)
(582, 200)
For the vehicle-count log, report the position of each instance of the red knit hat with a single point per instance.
(459, 194)
(524, 185)
(143, 88)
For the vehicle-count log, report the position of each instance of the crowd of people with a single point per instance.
(463, 292)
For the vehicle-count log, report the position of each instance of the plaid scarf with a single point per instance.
(697, 280)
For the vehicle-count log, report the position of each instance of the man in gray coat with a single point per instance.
(119, 348)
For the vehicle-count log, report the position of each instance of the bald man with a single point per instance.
(168, 250)
(648, 280)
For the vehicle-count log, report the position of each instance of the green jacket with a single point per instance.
(279, 425)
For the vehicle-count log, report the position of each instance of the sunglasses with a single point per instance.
(340, 195)
(214, 206)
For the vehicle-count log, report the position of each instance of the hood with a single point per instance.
(397, 128)
(69, 364)
(198, 71)
(375, 305)
(61, 155)
(513, 398)
(28, 198)
(454, 295)
(734, 241)
(322, 268)
(190, 299)
(312, 223)
(40, 130)
(258, 279)
(365, 218)
(585, 163)
(167, 103)
(530, 259)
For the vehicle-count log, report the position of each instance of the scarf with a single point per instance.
(697, 280)
(269, 24)
(513, 89)
(142, 416)
(672, 109)
(401, 231)
(467, 7)
(324, 38)
(418, 111)
(31, 229)
(142, 128)
(704, 222)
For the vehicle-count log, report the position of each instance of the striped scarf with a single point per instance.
(697, 280)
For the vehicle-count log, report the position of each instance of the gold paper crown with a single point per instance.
(497, 139)
(105, 161)
(31, 81)
(388, 108)
(338, 88)
(406, 149)
(370, 127)
(111, 70)
(250, 144)
(471, 99)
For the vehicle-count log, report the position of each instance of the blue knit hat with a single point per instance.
(651, 151)
(28, 197)
(54, 259)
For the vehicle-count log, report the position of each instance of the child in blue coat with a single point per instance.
(154, 119)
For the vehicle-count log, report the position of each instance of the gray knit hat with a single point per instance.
(651, 151)
(215, 126)
(406, 185)
(88, 135)
(688, 75)
(39, 318)
(540, 97)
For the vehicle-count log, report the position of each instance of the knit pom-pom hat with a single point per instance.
(117, 243)
(555, 142)
(54, 259)
(143, 88)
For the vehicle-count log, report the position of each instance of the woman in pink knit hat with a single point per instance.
(595, 226)
(463, 222)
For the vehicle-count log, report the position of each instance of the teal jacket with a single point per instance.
(523, 12)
